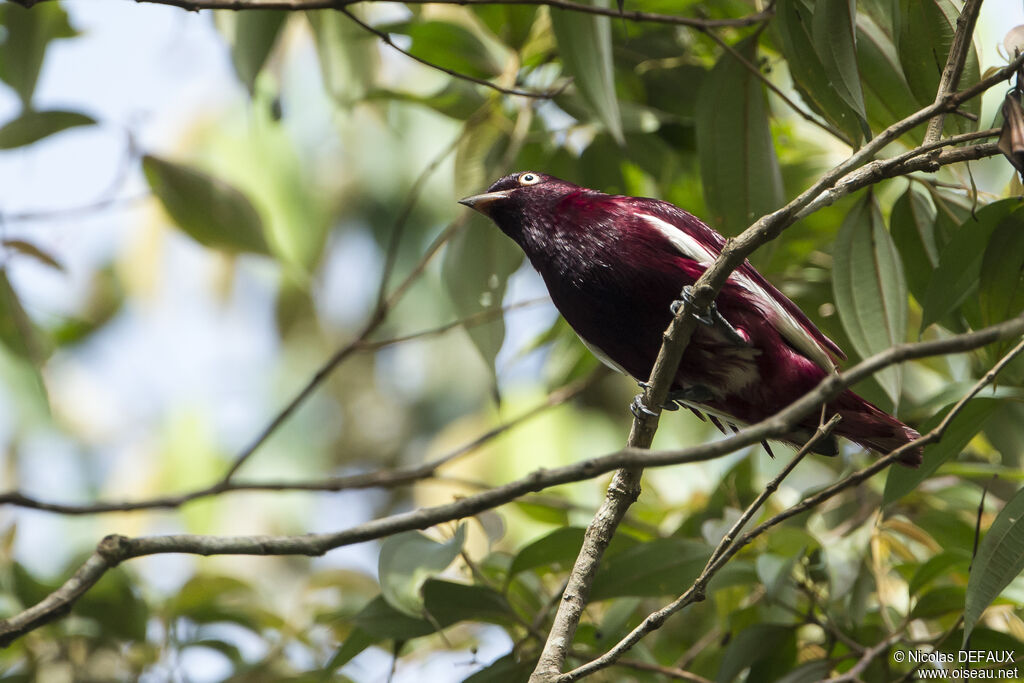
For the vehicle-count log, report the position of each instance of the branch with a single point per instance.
(568, 5)
(379, 479)
(954, 68)
(116, 549)
(625, 486)
(719, 558)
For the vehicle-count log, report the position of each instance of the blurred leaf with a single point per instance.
(209, 598)
(475, 269)
(348, 55)
(252, 36)
(912, 224)
(999, 561)
(1001, 284)
(449, 602)
(407, 560)
(207, 209)
(832, 29)
(33, 251)
(113, 603)
(381, 621)
(957, 275)
(232, 652)
(870, 291)
(458, 99)
(808, 672)
(926, 35)
(739, 169)
(510, 23)
(26, 36)
(32, 126)
(560, 547)
(585, 47)
(27, 588)
(448, 45)
(357, 641)
(17, 332)
(752, 645)
(794, 27)
(902, 480)
(505, 669)
(103, 299)
(938, 602)
(545, 514)
(940, 565)
(887, 95)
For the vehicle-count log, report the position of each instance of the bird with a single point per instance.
(617, 269)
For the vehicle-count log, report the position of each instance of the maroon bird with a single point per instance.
(615, 267)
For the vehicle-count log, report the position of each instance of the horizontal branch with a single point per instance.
(116, 549)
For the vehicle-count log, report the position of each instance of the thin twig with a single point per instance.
(955, 61)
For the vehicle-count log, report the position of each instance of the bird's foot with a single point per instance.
(695, 393)
(711, 318)
(638, 408)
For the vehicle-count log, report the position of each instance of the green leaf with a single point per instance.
(887, 95)
(959, 270)
(407, 560)
(999, 561)
(17, 332)
(113, 603)
(834, 40)
(739, 169)
(27, 35)
(869, 287)
(207, 209)
(585, 47)
(32, 126)
(1001, 285)
(942, 564)
(357, 641)
(505, 669)
(926, 35)
(560, 547)
(912, 224)
(938, 602)
(754, 644)
(511, 24)
(448, 45)
(252, 36)
(381, 621)
(808, 672)
(458, 99)
(449, 602)
(901, 481)
(348, 55)
(795, 36)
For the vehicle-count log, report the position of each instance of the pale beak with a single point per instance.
(480, 202)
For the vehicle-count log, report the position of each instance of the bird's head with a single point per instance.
(522, 201)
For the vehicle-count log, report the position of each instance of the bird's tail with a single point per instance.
(867, 425)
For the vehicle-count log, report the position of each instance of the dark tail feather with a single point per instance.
(867, 425)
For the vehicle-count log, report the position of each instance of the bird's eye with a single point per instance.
(529, 179)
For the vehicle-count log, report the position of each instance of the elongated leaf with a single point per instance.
(739, 169)
(999, 561)
(33, 251)
(926, 35)
(793, 26)
(939, 601)
(938, 566)
(585, 47)
(207, 209)
(17, 333)
(1001, 285)
(912, 224)
(449, 602)
(504, 670)
(27, 35)
(870, 290)
(560, 547)
(407, 560)
(32, 126)
(380, 621)
(754, 644)
(957, 275)
(887, 95)
(252, 36)
(832, 29)
(347, 54)
(961, 430)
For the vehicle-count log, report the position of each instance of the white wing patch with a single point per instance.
(603, 357)
(783, 321)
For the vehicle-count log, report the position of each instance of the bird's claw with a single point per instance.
(711, 317)
(638, 408)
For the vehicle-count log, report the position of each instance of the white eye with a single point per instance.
(529, 179)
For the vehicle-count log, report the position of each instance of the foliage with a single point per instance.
(292, 199)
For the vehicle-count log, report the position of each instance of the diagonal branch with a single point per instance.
(720, 557)
(116, 549)
(954, 68)
(625, 486)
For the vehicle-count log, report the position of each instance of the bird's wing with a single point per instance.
(696, 240)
